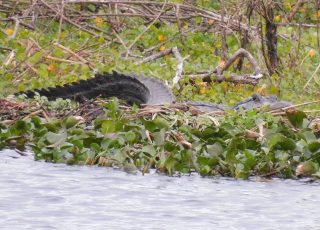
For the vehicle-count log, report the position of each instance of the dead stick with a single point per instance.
(84, 61)
(241, 53)
(154, 56)
(68, 20)
(179, 70)
(146, 29)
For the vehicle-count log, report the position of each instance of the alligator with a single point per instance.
(142, 90)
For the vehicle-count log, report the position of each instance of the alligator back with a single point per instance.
(159, 92)
(132, 89)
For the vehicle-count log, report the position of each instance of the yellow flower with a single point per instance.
(162, 48)
(98, 21)
(51, 68)
(277, 18)
(9, 31)
(302, 10)
(238, 88)
(211, 22)
(222, 63)
(318, 14)
(312, 53)
(203, 87)
(288, 6)
(162, 38)
(260, 89)
(225, 87)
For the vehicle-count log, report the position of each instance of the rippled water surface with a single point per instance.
(38, 195)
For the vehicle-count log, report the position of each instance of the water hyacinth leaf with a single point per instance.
(21, 127)
(77, 143)
(66, 145)
(205, 170)
(53, 126)
(150, 125)
(209, 132)
(281, 155)
(314, 146)
(36, 122)
(71, 121)
(296, 118)
(215, 149)
(279, 141)
(149, 149)
(169, 164)
(307, 168)
(129, 167)
(108, 126)
(237, 143)
(159, 137)
(250, 160)
(119, 155)
(309, 136)
(113, 107)
(252, 144)
(156, 124)
(226, 129)
(195, 132)
(169, 146)
(95, 147)
(56, 139)
(210, 161)
(161, 123)
(112, 143)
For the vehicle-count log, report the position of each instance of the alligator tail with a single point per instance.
(130, 88)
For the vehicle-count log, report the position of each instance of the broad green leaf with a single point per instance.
(314, 146)
(149, 149)
(130, 136)
(159, 137)
(279, 141)
(296, 118)
(56, 139)
(108, 126)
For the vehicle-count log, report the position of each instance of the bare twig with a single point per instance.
(145, 30)
(154, 56)
(9, 58)
(294, 11)
(179, 70)
(67, 19)
(16, 27)
(312, 76)
(84, 61)
(242, 53)
(61, 19)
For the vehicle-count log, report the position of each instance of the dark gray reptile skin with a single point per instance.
(142, 90)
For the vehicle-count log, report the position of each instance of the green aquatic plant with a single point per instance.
(236, 145)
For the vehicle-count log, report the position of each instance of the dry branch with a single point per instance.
(179, 70)
(312, 76)
(251, 79)
(241, 53)
(145, 30)
(154, 56)
(294, 10)
(184, 11)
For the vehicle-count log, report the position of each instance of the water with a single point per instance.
(38, 195)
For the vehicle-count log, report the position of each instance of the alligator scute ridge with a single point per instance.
(140, 90)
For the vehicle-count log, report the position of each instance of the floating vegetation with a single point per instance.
(173, 141)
